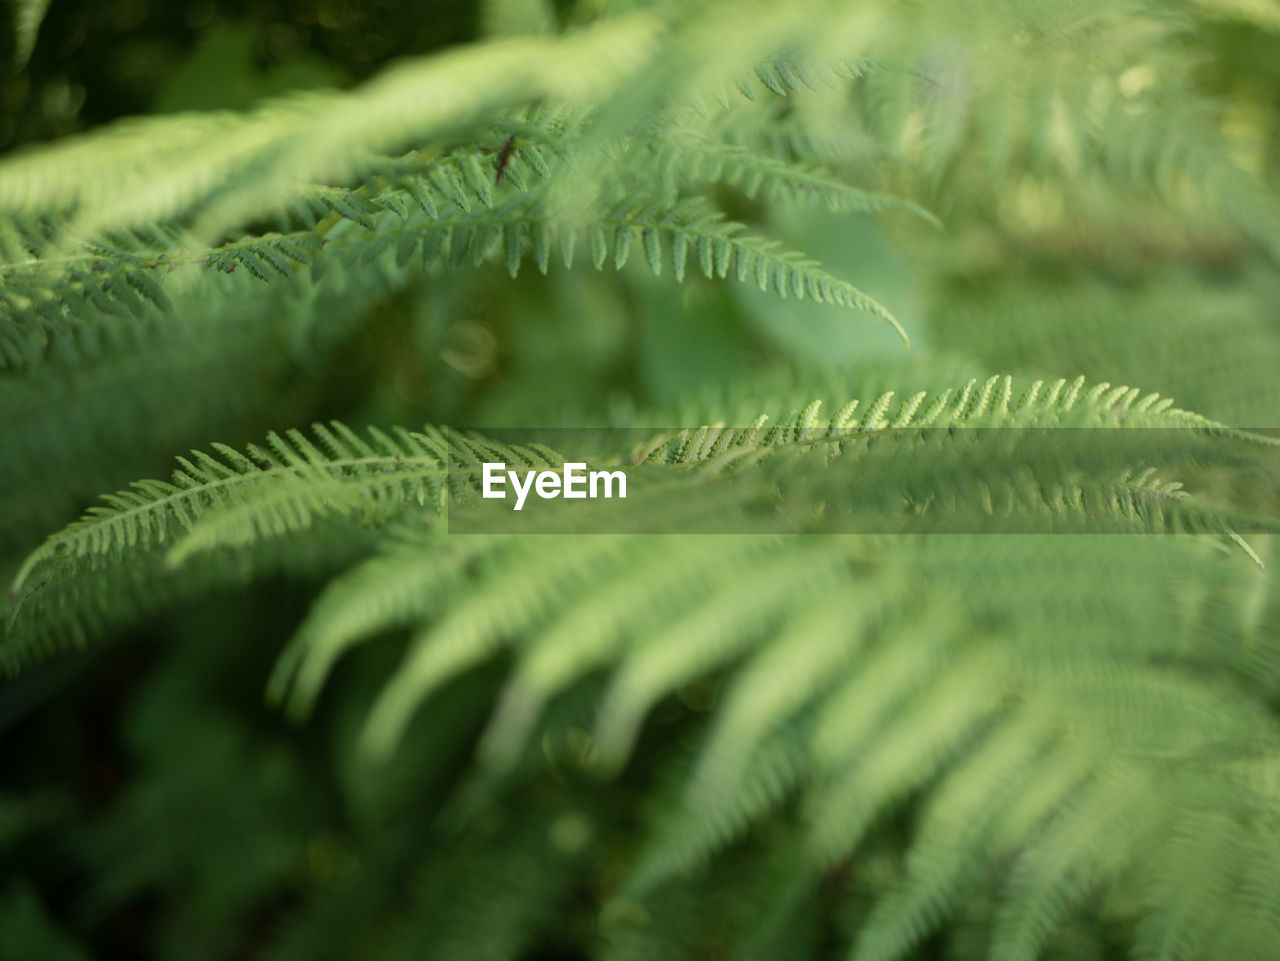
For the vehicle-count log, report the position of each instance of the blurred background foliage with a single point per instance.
(152, 806)
(98, 61)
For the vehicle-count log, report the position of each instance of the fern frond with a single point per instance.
(46, 299)
(305, 139)
(526, 226)
(235, 498)
(776, 180)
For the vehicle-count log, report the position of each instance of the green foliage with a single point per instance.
(26, 15)
(988, 665)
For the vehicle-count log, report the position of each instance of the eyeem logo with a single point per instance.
(574, 483)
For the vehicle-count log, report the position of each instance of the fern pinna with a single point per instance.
(957, 651)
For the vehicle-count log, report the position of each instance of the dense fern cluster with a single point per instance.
(917, 696)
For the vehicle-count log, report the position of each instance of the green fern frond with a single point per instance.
(305, 139)
(235, 499)
(776, 180)
(46, 299)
